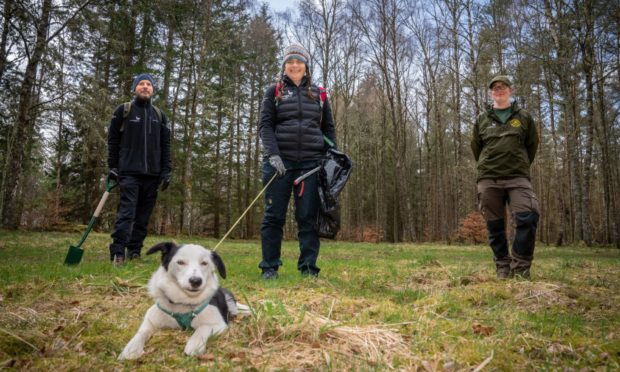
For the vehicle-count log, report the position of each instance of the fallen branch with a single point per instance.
(484, 363)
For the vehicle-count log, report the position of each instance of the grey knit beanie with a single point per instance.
(296, 51)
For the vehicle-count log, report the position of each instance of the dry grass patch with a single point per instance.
(278, 335)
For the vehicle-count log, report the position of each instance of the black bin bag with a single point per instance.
(335, 170)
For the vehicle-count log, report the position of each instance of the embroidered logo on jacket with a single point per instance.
(287, 95)
(136, 120)
(515, 123)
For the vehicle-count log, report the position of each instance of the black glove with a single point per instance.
(165, 181)
(113, 175)
(277, 164)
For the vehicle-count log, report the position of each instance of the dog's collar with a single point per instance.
(185, 319)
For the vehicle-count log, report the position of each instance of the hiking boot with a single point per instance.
(118, 260)
(309, 273)
(503, 273)
(269, 274)
(520, 266)
(523, 274)
(502, 267)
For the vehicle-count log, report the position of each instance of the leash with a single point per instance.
(245, 212)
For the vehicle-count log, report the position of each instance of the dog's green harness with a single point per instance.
(185, 319)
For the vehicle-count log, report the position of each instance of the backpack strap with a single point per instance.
(127, 110)
(276, 94)
(323, 97)
(157, 112)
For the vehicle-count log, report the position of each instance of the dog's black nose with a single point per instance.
(195, 281)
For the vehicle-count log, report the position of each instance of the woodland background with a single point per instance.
(406, 79)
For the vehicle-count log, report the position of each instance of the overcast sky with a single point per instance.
(281, 5)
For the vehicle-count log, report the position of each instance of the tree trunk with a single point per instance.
(4, 38)
(188, 138)
(23, 130)
(60, 140)
(587, 50)
(217, 187)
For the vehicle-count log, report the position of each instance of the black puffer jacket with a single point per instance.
(143, 145)
(293, 128)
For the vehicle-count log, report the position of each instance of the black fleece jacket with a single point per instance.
(294, 127)
(142, 147)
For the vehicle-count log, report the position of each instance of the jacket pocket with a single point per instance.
(130, 161)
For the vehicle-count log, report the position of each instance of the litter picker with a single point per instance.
(74, 255)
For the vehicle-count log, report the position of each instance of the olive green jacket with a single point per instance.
(504, 150)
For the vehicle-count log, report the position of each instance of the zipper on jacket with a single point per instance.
(146, 164)
(299, 122)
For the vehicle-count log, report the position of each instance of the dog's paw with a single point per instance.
(131, 352)
(195, 348)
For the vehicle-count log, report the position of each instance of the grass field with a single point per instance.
(374, 307)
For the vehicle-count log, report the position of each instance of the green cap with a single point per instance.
(500, 78)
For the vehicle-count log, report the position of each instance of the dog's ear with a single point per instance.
(217, 260)
(167, 250)
(164, 248)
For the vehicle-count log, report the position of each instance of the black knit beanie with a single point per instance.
(139, 78)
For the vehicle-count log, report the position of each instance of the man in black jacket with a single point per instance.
(139, 159)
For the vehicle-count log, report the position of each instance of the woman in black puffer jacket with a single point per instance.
(296, 125)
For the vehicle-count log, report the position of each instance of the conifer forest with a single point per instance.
(406, 81)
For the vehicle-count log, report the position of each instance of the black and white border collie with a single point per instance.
(187, 295)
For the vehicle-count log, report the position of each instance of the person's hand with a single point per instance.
(277, 164)
(165, 181)
(113, 175)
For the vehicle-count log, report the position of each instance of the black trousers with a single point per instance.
(138, 197)
(307, 205)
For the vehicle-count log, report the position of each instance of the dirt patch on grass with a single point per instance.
(536, 296)
(435, 278)
(429, 278)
